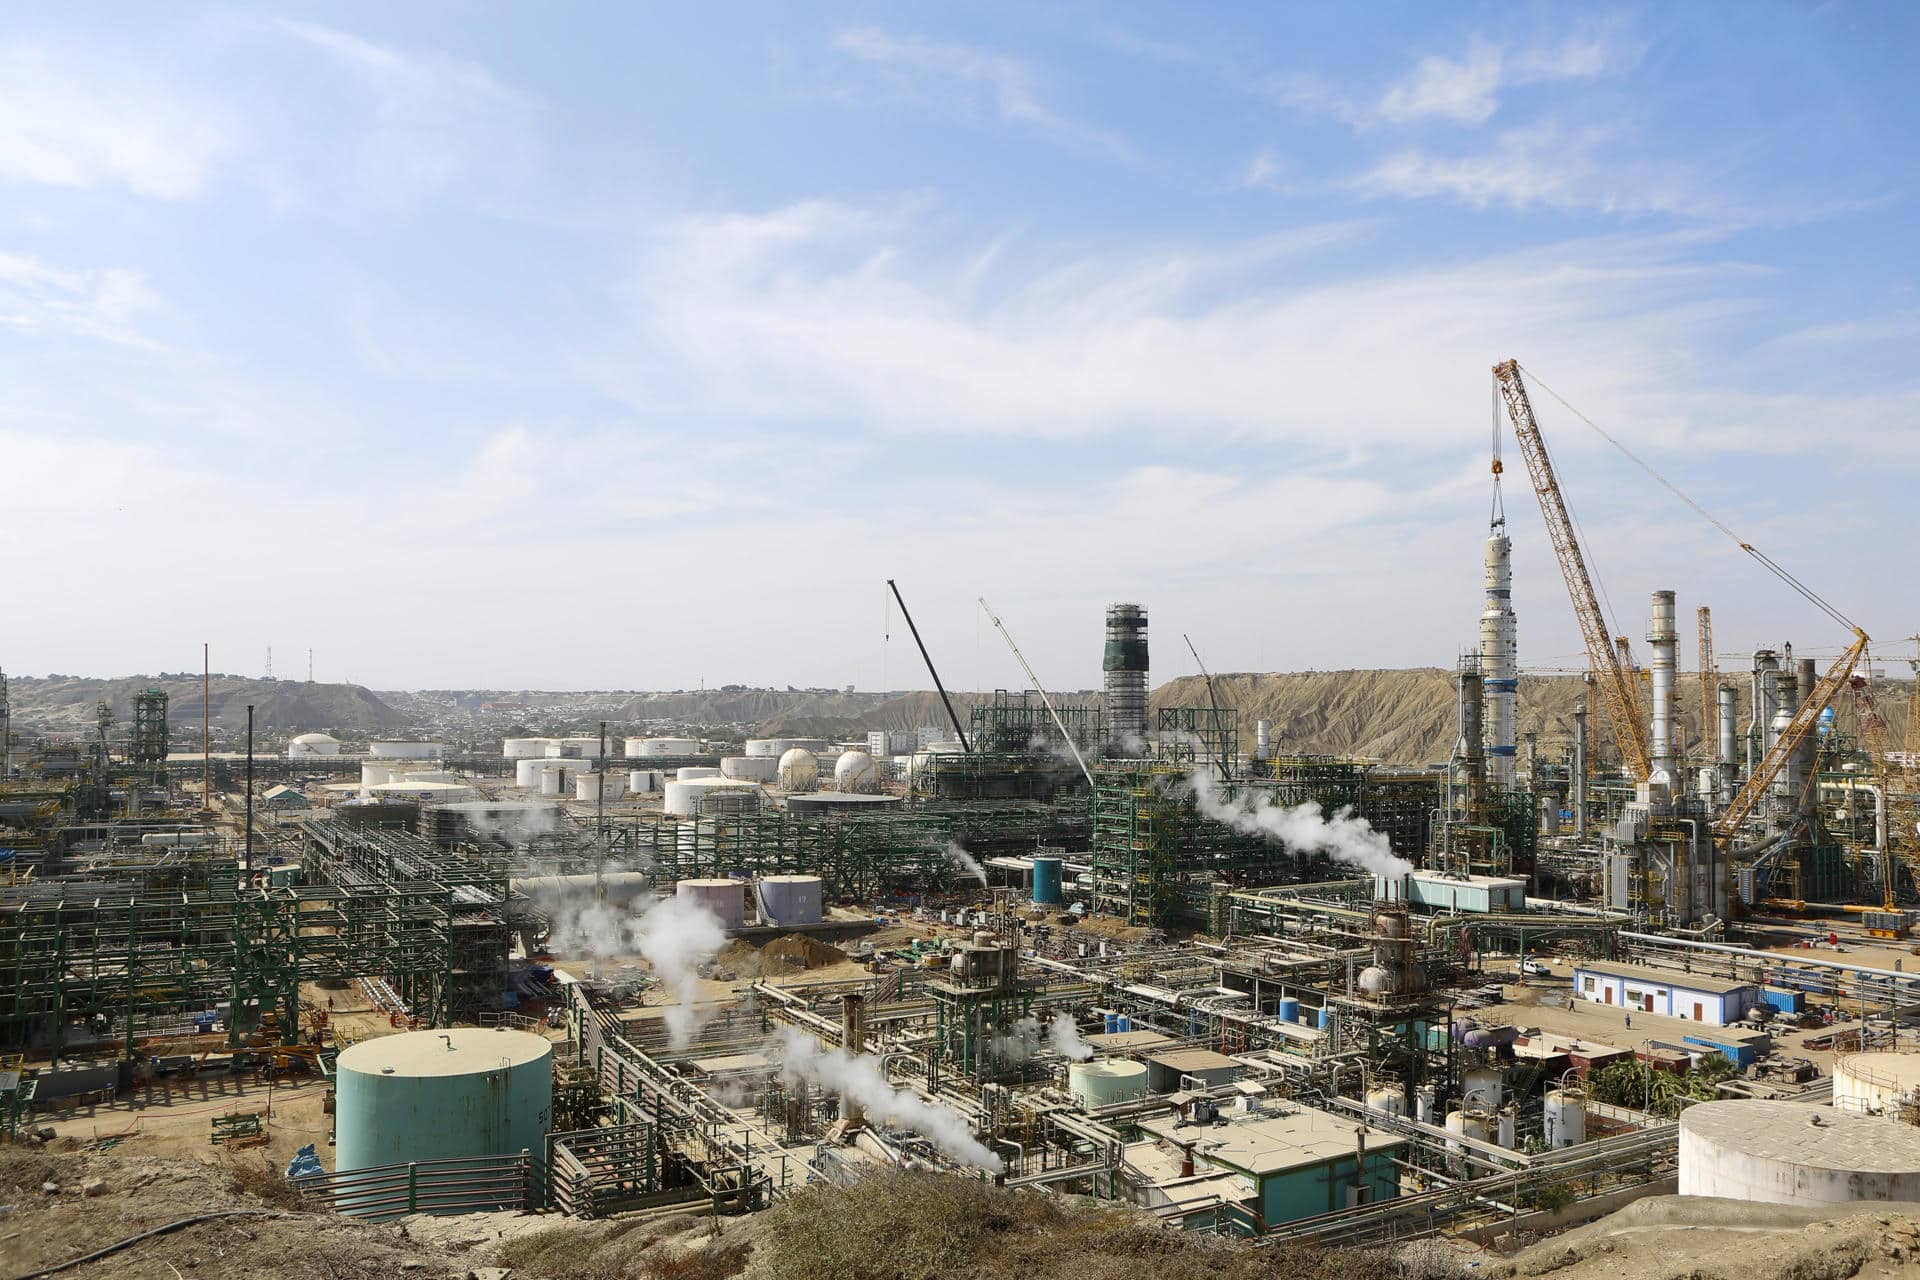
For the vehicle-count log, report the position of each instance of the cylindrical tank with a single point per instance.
(710, 796)
(1470, 1123)
(765, 747)
(526, 771)
(725, 898)
(799, 769)
(1484, 1087)
(374, 775)
(694, 772)
(1107, 1081)
(1878, 1082)
(856, 772)
(643, 781)
(551, 781)
(641, 747)
(1389, 1100)
(1790, 1153)
(1423, 1104)
(750, 768)
(587, 786)
(1566, 1118)
(442, 1095)
(1047, 888)
(177, 839)
(1288, 1009)
(522, 748)
(1507, 1130)
(790, 900)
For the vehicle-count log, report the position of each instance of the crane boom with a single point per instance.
(1802, 724)
(1621, 699)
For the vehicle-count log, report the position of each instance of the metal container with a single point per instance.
(725, 898)
(523, 748)
(1047, 888)
(1107, 1081)
(790, 900)
(855, 771)
(643, 781)
(1566, 1118)
(442, 1095)
(1288, 1010)
(640, 748)
(526, 771)
(799, 769)
(1484, 1087)
(552, 781)
(587, 786)
(750, 768)
(1389, 1100)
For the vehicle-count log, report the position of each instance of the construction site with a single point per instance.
(1108, 948)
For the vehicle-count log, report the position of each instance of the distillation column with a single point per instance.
(1126, 668)
(1760, 707)
(1580, 768)
(1498, 658)
(1729, 714)
(1665, 639)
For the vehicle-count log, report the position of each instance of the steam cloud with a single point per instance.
(1064, 1039)
(1343, 835)
(966, 861)
(676, 936)
(860, 1078)
(1027, 1037)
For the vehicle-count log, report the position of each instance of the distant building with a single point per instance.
(1693, 997)
(284, 797)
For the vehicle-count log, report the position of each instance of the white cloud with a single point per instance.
(1462, 90)
(1265, 170)
(963, 72)
(85, 120)
(36, 297)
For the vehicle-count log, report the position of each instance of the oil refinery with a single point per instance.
(1108, 945)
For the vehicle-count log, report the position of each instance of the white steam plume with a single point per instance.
(1063, 1037)
(677, 936)
(966, 861)
(860, 1078)
(1341, 835)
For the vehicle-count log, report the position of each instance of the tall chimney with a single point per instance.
(1126, 668)
(1497, 657)
(1665, 640)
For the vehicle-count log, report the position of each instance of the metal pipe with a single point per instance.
(1665, 639)
(945, 701)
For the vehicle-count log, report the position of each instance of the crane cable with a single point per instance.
(1766, 561)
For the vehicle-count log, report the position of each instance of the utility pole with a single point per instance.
(206, 731)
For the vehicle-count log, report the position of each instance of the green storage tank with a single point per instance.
(439, 1095)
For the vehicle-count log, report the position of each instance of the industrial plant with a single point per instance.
(1101, 944)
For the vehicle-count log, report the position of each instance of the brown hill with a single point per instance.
(66, 703)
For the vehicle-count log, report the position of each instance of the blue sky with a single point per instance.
(635, 346)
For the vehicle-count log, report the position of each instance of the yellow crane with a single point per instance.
(1620, 698)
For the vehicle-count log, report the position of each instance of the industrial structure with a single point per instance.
(1098, 943)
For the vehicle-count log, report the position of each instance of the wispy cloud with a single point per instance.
(38, 298)
(1464, 89)
(973, 75)
(81, 119)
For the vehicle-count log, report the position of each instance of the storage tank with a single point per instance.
(442, 1095)
(405, 749)
(1107, 1081)
(1878, 1082)
(643, 781)
(1485, 1087)
(725, 898)
(177, 839)
(693, 772)
(552, 781)
(692, 797)
(1386, 1099)
(1791, 1153)
(772, 747)
(313, 744)
(526, 771)
(1288, 1009)
(638, 748)
(1566, 1118)
(590, 786)
(750, 768)
(799, 769)
(791, 900)
(523, 748)
(1047, 888)
(373, 775)
(856, 772)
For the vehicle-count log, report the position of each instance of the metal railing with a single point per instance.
(469, 1185)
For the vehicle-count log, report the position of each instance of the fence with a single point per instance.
(470, 1185)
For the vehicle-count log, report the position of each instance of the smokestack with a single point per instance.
(1728, 714)
(1580, 768)
(1126, 668)
(853, 1040)
(1665, 640)
(1497, 657)
(1262, 743)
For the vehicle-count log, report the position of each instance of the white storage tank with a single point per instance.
(1877, 1082)
(1387, 1099)
(527, 771)
(1566, 1118)
(799, 769)
(1791, 1153)
(640, 748)
(1484, 1087)
(725, 898)
(750, 768)
(552, 781)
(856, 772)
(773, 747)
(441, 1095)
(695, 796)
(692, 772)
(405, 749)
(1106, 1082)
(791, 900)
(372, 775)
(589, 787)
(644, 781)
(522, 748)
(313, 744)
